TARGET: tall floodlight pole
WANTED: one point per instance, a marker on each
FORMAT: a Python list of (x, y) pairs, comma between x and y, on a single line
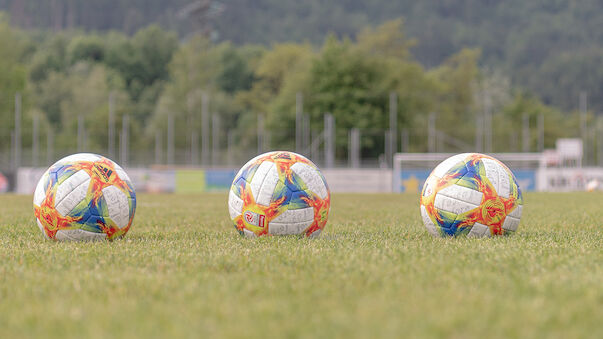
[(393, 126), (526, 134), (260, 133), (306, 132), (229, 145), (49, 145), (170, 139), (194, 146), (17, 134), (314, 151), (405, 140), (583, 124), (387, 146), (299, 121), (600, 143), (479, 132), (124, 141), (540, 132), (34, 141), (205, 128), (488, 122), (80, 133), (158, 154), (215, 138), (329, 133), (431, 133), (354, 148), (111, 125)]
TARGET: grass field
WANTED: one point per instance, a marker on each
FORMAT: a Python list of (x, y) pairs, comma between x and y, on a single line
[(183, 271)]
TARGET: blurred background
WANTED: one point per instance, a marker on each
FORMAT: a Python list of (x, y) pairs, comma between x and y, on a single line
[(187, 91)]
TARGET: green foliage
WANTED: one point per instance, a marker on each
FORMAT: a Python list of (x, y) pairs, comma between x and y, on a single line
[(534, 41), (143, 59), (555, 124), (235, 74), (83, 89), (12, 79), (70, 74), (51, 55), (86, 48)]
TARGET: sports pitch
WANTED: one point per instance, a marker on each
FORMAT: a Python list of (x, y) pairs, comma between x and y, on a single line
[(183, 271)]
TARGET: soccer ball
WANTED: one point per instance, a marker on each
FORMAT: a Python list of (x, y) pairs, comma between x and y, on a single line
[(84, 197), (279, 193), (471, 194)]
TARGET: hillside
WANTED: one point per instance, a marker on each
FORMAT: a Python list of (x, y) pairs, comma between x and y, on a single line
[(551, 48)]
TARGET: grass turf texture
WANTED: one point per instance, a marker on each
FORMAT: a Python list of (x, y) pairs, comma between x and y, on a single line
[(183, 271)]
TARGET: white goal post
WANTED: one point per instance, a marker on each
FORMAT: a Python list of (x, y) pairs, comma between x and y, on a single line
[(410, 170)]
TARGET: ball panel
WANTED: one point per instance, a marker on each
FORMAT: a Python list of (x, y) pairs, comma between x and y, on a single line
[(447, 221), (92, 222), (311, 179), (248, 170), (299, 199), (498, 176), (462, 193), (479, 231), (117, 206), (60, 173), (453, 205), (315, 234), (504, 183), (510, 223), (238, 186), (41, 227), (516, 212), (431, 227), (281, 194), (69, 185), (248, 234), (298, 215), (447, 164), (73, 198), (288, 228), (295, 183), (258, 178), (267, 187), (79, 157), (79, 235), (235, 205), (121, 173), (41, 187)]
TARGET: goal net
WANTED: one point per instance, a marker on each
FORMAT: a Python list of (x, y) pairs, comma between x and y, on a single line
[(410, 170)]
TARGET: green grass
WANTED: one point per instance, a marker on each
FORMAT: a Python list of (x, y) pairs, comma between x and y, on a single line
[(183, 271)]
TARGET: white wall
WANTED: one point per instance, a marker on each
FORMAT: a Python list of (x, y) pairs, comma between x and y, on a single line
[(359, 180)]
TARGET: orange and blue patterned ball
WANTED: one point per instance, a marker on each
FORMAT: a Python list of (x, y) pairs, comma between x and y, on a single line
[(471, 194), (279, 193), (84, 197)]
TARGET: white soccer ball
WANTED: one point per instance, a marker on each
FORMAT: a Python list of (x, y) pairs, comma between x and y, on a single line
[(471, 194), (84, 197), (592, 185), (279, 193)]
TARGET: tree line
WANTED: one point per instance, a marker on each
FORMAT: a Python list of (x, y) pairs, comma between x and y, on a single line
[(550, 48), (151, 75)]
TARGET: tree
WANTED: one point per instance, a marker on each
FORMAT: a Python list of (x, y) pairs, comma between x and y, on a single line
[(143, 59), (12, 79)]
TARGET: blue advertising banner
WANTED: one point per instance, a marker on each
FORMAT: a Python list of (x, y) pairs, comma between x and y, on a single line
[(219, 179)]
